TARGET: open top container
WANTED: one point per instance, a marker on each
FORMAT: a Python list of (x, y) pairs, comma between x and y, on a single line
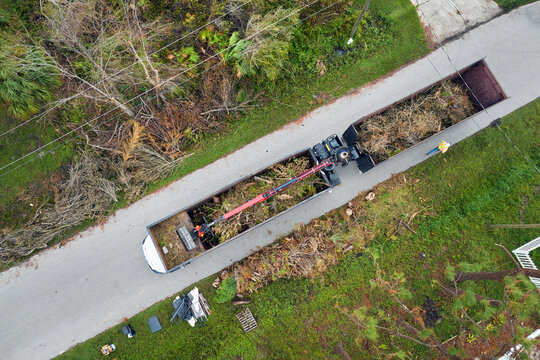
[(482, 90), (165, 252)]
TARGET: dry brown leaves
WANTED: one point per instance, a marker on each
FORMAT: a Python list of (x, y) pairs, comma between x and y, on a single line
[(308, 252), (170, 129), (414, 120)]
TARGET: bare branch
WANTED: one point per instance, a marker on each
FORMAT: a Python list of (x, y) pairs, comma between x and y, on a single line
[(510, 255)]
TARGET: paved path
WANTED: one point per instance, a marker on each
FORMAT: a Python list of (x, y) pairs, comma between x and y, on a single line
[(67, 295), (445, 19)]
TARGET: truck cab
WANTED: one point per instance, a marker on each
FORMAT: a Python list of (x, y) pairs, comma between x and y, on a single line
[(153, 256)]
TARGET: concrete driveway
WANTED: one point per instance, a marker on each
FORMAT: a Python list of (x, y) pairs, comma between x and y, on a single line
[(445, 19), (64, 296)]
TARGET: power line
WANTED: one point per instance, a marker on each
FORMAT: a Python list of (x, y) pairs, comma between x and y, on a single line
[(155, 87), (40, 115), (471, 91), (155, 96)]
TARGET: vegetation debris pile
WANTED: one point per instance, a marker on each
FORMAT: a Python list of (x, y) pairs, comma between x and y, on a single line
[(248, 189), (414, 120)]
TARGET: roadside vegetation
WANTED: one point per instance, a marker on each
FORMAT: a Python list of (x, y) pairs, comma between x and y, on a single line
[(508, 5), (188, 116), (387, 263)]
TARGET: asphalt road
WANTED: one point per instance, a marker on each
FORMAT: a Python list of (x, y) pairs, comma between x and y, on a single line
[(66, 295)]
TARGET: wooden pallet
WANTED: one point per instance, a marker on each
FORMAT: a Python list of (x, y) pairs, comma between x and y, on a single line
[(204, 304), (247, 320)]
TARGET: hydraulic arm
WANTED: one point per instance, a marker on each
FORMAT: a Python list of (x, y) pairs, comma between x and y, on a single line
[(327, 154), (202, 230)]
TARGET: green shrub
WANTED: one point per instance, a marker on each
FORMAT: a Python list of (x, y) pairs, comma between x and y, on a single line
[(4, 18), (226, 291), (26, 78), (267, 43)]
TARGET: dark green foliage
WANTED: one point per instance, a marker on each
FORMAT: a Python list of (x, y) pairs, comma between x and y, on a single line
[(535, 254), (4, 18), (83, 69), (26, 10), (226, 291), (328, 43)]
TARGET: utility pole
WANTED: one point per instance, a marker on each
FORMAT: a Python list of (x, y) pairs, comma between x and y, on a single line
[(364, 9)]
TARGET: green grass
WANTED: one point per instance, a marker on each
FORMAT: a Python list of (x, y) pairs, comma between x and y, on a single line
[(535, 256), (459, 194), (508, 5), (26, 182)]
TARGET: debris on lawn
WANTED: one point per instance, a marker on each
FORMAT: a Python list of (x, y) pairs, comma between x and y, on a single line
[(247, 320), (250, 188), (406, 124), (311, 249), (307, 252)]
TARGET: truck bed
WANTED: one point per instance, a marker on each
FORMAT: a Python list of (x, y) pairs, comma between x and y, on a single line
[(165, 234)]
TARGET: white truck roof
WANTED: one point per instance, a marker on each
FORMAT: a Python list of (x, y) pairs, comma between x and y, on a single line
[(151, 254)]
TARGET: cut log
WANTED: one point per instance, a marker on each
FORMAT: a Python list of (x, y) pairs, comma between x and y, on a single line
[(241, 302)]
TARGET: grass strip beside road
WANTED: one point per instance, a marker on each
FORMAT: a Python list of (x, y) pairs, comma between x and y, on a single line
[(508, 5), (478, 182), (19, 184)]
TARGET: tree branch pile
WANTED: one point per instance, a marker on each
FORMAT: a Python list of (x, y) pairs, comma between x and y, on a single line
[(86, 194), (308, 252), (250, 188), (144, 166), (414, 120)]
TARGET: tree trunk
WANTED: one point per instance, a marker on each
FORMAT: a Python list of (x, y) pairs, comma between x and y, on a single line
[(122, 107), (496, 275), (340, 350), (241, 302)]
